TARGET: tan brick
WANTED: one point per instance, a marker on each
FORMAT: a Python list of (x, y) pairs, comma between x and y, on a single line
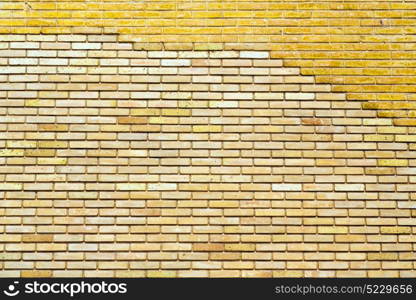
[(11, 152), (123, 156)]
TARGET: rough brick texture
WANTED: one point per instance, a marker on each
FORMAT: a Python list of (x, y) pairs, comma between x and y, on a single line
[(123, 162)]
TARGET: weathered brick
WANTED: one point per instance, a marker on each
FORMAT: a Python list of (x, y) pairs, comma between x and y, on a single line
[(119, 158)]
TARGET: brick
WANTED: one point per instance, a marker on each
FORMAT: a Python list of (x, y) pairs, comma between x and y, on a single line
[(299, 96), (36, 273), (146, 112), (10, 186), (11, 152), (175, 62), (53, 144), (37, 238), (254, 54), (24, 45), (130, 186), (160, 274), (392, 162), (286, 187), (86, 46), (162, 186), (207, 128), (132, 120), (52, 161), (176, 112)]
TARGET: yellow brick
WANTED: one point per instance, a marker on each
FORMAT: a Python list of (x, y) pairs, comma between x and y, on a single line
[(287, 273), (208, 46), (382, 256), (36, 273), (239, 247), (395, 230), (53, 127), (404, 122), (160, 274), (391, 130), (145, 112), (11, 152), (52, 161), (392, 162), (132, 120), (332, 230), (38, 102), (162, 120), (130, 273), (378, 138), (40, 152), (206, 128), (53, 144), (176, 112)]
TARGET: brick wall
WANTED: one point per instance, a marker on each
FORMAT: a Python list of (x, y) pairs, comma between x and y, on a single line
[(207, 139)]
